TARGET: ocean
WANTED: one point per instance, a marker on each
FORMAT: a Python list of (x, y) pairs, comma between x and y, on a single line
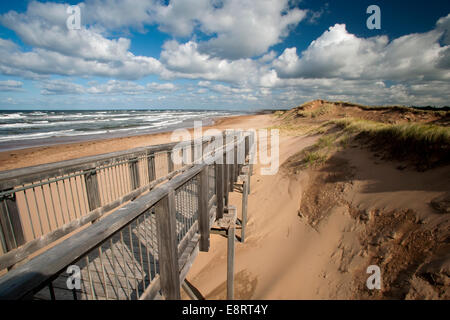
[(22, 129)]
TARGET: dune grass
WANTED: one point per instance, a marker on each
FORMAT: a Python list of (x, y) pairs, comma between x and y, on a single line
[(312, 158), (423, 143), (322, 110), (317, 154), (406, 133), (397, 108)]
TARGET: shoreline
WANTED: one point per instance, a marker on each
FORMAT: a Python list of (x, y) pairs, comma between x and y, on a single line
[(31, 156), (15, 145)]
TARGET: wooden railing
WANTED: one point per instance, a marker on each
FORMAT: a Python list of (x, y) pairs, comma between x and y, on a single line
[(41, 204), (142, 249)]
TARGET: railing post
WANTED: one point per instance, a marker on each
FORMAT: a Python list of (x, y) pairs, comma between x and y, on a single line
[(10, 223), (204, 146), (226, 179), (251, 152), (231, 166), (247, 151), (230, 261), (244, 206), (170, 165), (247, 146), (203, 214), (185, 155), (134, 173), (167, 245), (219, 190), (92, 189), (151, 167), (236, 160)]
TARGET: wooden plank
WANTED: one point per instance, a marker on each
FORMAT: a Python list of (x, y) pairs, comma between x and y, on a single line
[(241, 154), (152, 290), (188, 236), (232, 164), (251, 156), (212, 217), (151, 167), (236, 162), (230, 261), (203, 212), (92, 189), (219, 190), (10, 223), (134, 173), (189, 289), (6, 230), (249, 176), (189, 260), (249, 140), (212, 202), (186, 254), (170, 164), (226, 178), (167, 244), (247, 146), (244, 207)]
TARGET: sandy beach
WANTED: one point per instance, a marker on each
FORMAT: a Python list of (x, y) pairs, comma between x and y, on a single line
[(46, 154)]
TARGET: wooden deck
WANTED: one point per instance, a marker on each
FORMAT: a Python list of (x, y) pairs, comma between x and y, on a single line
[(122, 269), (143, 249)]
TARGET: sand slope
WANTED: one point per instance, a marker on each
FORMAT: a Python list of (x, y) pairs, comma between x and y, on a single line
[(313, 232)]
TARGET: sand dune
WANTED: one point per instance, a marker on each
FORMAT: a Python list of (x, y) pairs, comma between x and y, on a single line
[(314, 231)]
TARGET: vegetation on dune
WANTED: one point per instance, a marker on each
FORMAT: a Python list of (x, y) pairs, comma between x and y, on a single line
[(425, 144), (422, 139), (417, 133), (292, 129), (317, 112), (279, 113), (394, 108), (316, 108), (312, 158), (316, 154)]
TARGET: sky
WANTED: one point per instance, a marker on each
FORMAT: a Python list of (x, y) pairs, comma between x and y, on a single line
[(221, 54)]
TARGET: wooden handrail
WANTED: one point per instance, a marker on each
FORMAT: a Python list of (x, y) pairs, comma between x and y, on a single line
[(15, 177), (26, 279)]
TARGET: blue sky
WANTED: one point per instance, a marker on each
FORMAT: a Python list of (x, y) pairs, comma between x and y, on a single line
[(222, 54)]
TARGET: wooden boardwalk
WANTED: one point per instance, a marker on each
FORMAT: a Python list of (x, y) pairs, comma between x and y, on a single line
[(126, 264), (121, 268), (145, 246)]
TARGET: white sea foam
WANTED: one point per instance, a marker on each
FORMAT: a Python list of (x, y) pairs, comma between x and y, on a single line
[(24, 126), (34, 135)]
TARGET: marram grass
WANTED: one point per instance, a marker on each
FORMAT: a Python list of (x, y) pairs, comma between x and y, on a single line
[(424, 144)]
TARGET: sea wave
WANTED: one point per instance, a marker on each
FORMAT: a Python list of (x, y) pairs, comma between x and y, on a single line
[(27, 125)]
